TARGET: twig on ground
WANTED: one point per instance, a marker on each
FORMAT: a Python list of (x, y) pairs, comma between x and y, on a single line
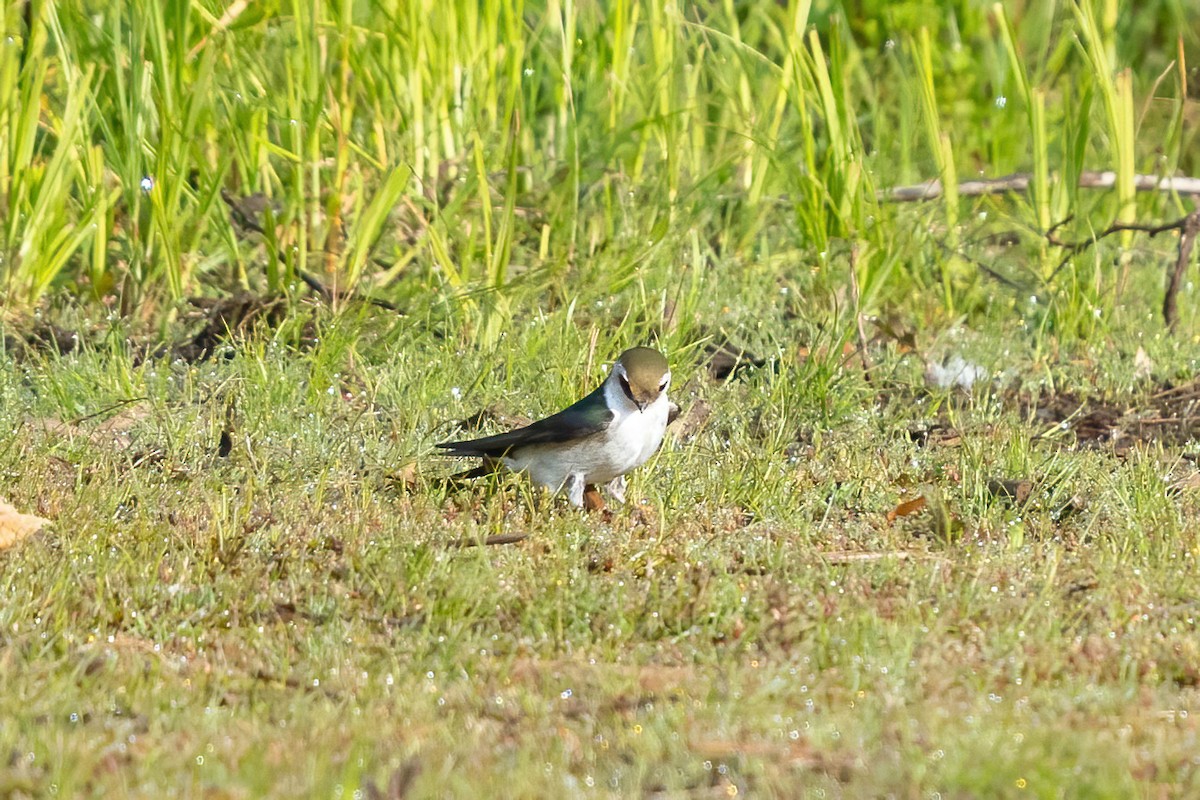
[(855, 557), (502, 538), (106, 409)]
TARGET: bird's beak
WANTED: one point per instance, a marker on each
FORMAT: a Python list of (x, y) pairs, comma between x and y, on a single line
[(642, 405)]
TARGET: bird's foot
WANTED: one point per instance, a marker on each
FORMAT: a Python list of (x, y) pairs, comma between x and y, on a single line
[(616, 488)]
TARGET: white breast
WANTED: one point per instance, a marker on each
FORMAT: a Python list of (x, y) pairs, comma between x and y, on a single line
[(632, 437)]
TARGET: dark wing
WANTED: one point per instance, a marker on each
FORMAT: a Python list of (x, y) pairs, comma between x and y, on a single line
[(585, 418)]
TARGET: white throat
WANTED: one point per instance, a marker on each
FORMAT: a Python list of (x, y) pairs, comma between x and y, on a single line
[(619, 403)]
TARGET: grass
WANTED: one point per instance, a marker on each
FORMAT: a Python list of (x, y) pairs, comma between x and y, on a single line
[(289, 618), (249, 588)]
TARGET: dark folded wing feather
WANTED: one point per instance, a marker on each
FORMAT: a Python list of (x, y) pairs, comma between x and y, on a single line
[(585, 418)]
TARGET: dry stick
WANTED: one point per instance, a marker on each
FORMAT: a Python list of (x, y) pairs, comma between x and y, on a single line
[(1116, 227), (331, 295), (849, 557), (502, 538), (1160, 420), (858, 316), (119, 404), (1188, 228), (1187, 238), (1019, 182), (228, 18), (328, 294), (991, 273), (1186, 389)]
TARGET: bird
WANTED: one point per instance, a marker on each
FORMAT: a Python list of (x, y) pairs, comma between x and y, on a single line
[(595, 441)]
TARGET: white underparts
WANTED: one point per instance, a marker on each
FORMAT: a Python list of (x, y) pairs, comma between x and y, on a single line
[(602, 458)]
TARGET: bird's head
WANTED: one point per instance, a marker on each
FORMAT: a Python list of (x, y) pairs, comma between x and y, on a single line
[(642, 375)]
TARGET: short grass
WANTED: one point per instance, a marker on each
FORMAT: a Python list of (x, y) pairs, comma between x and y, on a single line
[(254, 584), (290, 619)]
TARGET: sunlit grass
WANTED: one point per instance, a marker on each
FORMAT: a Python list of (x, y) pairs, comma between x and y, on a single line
[(584, 131), (250, 589), (204, 620)]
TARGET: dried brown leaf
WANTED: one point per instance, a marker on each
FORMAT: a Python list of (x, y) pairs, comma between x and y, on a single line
[(407, 476), (906, 508), (15, 526)]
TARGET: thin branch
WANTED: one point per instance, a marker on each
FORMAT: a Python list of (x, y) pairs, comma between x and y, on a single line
[(1116, 227), (858, 315), (1019, 182), (1075, 248), (106, 409), (1187, 239), (991, 273), (245, 215), (1188, 227)]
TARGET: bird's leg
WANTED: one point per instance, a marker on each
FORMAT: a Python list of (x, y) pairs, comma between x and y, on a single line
[(616, 487), (573, 486)]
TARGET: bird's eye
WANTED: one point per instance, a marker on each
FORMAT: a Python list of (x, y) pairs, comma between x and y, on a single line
[(665, 382), (626, 388)]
